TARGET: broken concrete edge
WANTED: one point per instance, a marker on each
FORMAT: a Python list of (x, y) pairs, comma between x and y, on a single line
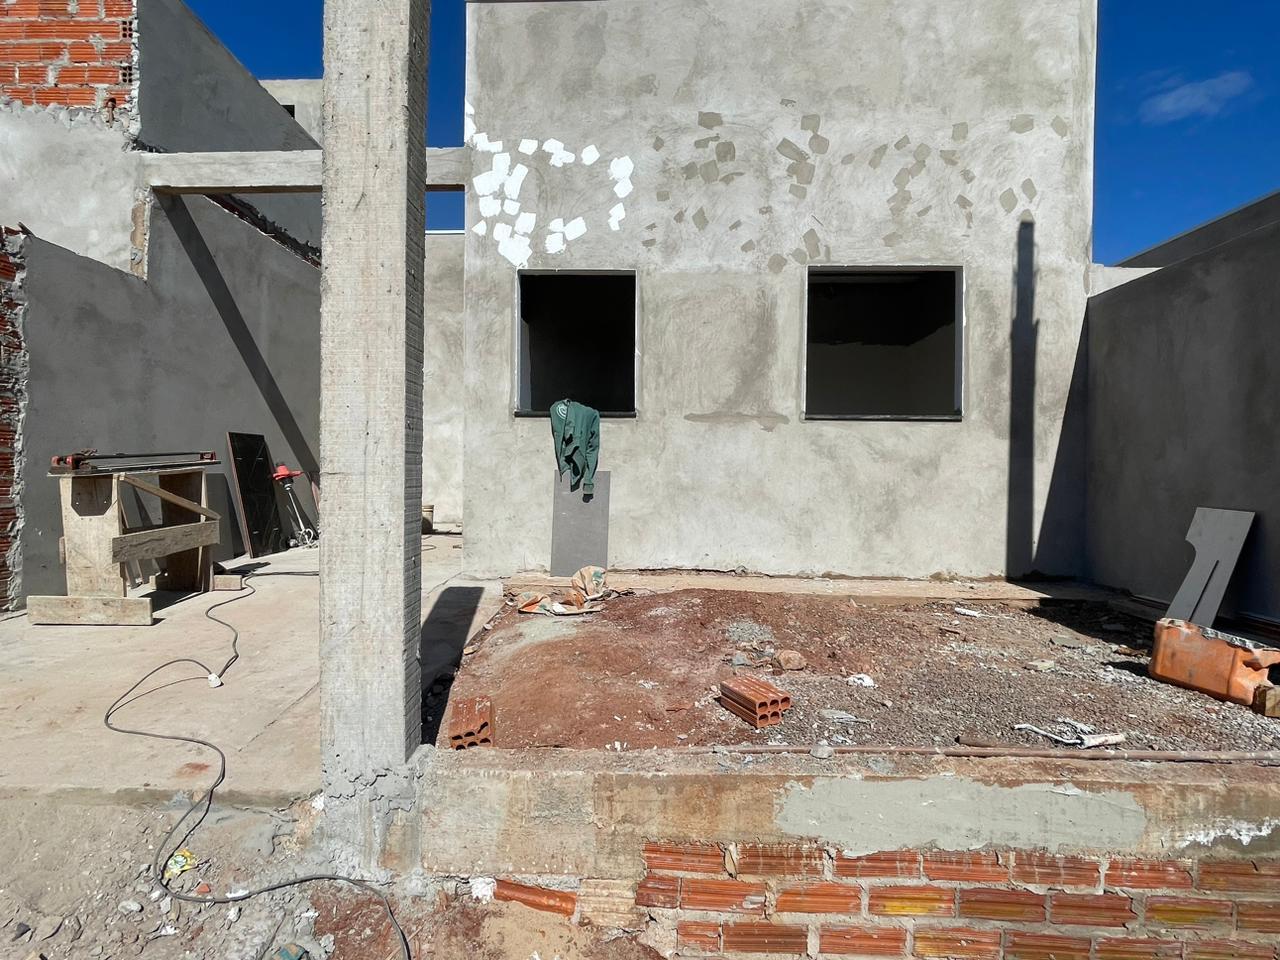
[(14, 373), (1213, 663)]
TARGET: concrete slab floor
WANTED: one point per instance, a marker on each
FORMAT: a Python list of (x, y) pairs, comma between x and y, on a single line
[(57, 682)]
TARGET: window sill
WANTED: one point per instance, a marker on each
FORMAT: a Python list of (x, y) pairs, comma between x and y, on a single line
[(546, 414), (929, 418)]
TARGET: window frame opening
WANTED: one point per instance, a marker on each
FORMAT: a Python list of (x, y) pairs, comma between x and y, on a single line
[(958, 410)]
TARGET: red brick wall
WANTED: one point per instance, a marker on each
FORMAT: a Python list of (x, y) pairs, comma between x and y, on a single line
[(71, 53), (13, 392), (1008, 905)]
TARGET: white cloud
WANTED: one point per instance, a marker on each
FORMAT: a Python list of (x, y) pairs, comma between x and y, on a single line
[(1206, 98)]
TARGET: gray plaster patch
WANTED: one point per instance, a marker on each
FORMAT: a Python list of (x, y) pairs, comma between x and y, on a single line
[(892, 239), (735, 225), (1029, 188), (917, 168), (791, 150), (902, 177), (819, 144), (899, 202), (847, 159), (679, 217), (798, 191), (922, 152), (658, 143), (709, 120), (923, 210), (799, 256), (903, 143), (812, 243), (1022, 123), (651, 226), (811, 122), (1008, 200), (767, 421), (1060, 126), (960, 132), (690, 169), (663, 195), (710, 171), (726, 151), (766, 209), (949, 157), (730, 177), (649, 243), (748, 246), (700, 219), (706, 142), (777, 263), (802, 170), (968, 175), (877, 156), (866, 816)]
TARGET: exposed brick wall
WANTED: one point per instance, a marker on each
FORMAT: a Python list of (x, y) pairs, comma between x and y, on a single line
[(13, 401), (739, 900), (70, 53)]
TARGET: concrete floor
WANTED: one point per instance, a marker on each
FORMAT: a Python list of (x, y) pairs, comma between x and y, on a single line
[(57, 682)]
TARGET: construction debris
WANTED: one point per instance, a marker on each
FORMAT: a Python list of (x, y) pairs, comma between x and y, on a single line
[(1080, 735), (471, 724), (588, 587), (756, 701), (1219, 664)]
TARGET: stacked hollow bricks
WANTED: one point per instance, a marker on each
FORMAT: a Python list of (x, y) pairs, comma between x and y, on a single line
[(71, 53), (471, 724), (1010, 905), (13, 373), (756, 701)]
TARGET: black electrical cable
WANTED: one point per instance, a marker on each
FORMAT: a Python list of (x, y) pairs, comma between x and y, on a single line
[(168, 846)]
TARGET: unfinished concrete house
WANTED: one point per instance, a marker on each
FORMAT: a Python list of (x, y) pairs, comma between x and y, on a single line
[(824, 269)]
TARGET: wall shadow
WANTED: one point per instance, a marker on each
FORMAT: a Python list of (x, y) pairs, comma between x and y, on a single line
[(444, 635), (1023, 333)]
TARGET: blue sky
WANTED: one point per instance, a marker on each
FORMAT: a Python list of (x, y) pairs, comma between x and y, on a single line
[(1188, 103)]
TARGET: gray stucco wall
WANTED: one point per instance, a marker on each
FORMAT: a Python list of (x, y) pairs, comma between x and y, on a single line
[(307, 99), (946, 134), (70, 178), (1183, 410), (223, 335), (1205, 237), (442, 418), (193, 94)]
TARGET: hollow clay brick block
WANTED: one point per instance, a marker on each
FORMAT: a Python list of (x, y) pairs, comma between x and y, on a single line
[(966, 867), (1183, 655), (562, 902), (896, 864), (1260, 917), (658, 891), (1019, 905), (1187, 912), (1148, 875), (913, 901), (1040, 946), (1144, 948), (765, 938), (957, 944), (1229, 950), (863, 941), (471, 723), (1047, 870), (782, 859), (696, 935), (754, 700), (1240, 876), (821, 898), (1108, 910), (722, 896), (684, 857)]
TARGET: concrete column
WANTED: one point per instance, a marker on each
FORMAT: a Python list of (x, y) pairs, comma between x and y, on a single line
[(375, 86)]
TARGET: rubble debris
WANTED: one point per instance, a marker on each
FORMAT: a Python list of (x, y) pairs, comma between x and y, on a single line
[(563, 902), (1080, 735), (968, 612), (791, 660), (860, 680), (291, 951), (822, 751), (471, 723), (1218, 664), (841, 716), (482, 888), (181, 861), (1041, 666), (756, 701)]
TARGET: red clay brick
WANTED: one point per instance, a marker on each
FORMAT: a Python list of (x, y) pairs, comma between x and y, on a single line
[(119, 52), (966, 867), (32, 75), (1049, 870), (120, 9), (1240, 876), (69, 30), (957, 944), (1043, 946), (821, 898), (1149, 875), (539, 898), (913, 901), (1263, 917), (1106, 910), (697, 935), (903, 864), (1187, 912), (684, 857), (1002, 905), (784, 859), (765, 938), (1116, 948), (11, 52), (1229, 950), (67, 97), (656, 890), (723, 896), (863, 941)]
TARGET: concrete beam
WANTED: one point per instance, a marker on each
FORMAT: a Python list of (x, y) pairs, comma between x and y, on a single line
[(375, 87), (280, 171)]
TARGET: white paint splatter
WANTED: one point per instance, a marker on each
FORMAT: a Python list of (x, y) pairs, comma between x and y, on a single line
[(511, 207), (511, 186), (482, 888), (491, 181), (590, 155), (555, 242), (1240, 830), (490, 206), (623, 188), (501, 231), (616, 216), (467, 108), (575, 228), (481, 228), (559, 155), (527, 146), (468, 129), (557, 225), (485, 145), (525, 222), (621, 168), (516, 249)]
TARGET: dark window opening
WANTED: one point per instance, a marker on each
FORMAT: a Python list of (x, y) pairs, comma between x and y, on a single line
[(577, 341), (291, 109), (883, 344)]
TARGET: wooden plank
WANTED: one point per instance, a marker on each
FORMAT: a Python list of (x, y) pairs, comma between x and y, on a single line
[(188, 569), (90, 519), (1266, 701), (90, 611), (164, 542), (173, 498)]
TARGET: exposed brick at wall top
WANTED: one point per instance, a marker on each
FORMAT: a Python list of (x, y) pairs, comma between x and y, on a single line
[(13, 392), (998, 905), (71, 53)]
